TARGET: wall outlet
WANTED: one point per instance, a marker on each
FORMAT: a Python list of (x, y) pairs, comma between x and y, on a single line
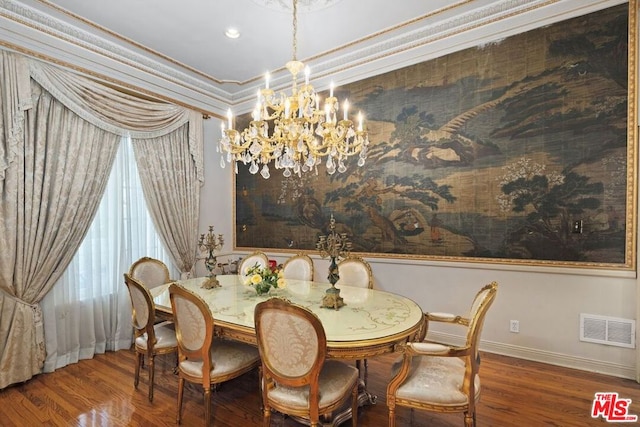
[(514, 326)]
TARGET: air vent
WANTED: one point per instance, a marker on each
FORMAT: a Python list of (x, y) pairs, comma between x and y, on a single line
[(608, 330)]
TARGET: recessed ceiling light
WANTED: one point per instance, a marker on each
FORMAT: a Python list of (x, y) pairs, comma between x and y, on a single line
[(232, 33)]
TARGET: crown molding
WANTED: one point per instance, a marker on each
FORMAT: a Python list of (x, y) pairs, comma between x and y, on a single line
[(91, 50)]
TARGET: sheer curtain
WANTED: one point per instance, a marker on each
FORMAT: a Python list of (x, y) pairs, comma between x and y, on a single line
[(88, 310)]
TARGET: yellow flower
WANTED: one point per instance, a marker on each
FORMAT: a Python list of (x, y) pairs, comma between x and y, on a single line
[(281, 283), (256, 278)]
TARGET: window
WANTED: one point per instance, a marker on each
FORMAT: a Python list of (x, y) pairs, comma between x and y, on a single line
[(88, 311), (121, 232)]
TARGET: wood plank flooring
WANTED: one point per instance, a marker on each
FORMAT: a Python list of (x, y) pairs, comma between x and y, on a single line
[(99, 392)]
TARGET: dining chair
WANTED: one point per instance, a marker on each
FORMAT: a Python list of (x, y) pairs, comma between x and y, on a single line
[(201, 358), (295, 376), (151, 338), (298, 267), (150, 272), (355, 271), (438, 377), (252, 259)]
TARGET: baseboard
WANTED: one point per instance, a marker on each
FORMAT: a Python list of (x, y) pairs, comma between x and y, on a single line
[(558, 359)]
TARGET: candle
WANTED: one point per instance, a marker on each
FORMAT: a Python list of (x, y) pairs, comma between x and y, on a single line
[(360, 121), (307, 71), (229, 117), (300, 104), (258, 107), (222, 128), (327, 111), (287, 106), (345, 107), (331, 90), (317, 101), (266, 78)]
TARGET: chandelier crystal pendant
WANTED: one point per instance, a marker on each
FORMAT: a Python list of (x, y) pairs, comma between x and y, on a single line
[(293, 131)]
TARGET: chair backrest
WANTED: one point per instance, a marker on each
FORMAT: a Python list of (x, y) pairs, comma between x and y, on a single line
[(252, 259), (143, 316), (150, 272), (481, 303), (298, 267), (194, 326), (292, 344), (354, 271)]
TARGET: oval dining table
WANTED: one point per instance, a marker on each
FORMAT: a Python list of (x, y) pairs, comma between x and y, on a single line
[(372, 322)]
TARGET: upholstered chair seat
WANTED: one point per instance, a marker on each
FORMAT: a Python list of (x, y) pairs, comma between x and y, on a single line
[(336, 380), (441, 378), (165, 334), (230, 356), (298, 267)]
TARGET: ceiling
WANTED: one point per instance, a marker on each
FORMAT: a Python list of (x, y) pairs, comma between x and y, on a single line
[(178, 49)]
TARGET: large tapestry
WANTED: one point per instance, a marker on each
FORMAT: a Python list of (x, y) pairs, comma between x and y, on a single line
[(515, 151)]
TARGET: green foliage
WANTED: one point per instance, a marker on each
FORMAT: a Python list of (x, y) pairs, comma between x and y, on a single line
[(573, 196)]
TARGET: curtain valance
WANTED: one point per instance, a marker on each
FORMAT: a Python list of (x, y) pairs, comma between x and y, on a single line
[(102, 106)]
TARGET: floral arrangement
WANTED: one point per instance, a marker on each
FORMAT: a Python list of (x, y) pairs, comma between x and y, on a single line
[(264, 278)]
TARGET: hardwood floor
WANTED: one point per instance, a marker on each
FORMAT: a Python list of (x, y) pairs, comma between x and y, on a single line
[(99, 392)]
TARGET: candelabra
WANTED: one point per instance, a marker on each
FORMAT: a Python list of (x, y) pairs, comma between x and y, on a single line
[(335, 246), (209, 244)]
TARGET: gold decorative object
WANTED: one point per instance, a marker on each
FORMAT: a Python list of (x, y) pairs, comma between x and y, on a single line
[(334, 245), (293, 131), (209, 244)]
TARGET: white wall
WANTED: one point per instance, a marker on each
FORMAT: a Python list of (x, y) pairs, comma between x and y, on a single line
[(547, 302)]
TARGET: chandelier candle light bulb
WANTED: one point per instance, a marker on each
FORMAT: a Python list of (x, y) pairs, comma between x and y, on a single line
[(293, 130)]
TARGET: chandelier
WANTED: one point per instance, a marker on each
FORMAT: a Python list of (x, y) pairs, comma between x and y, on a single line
[(293, 131)]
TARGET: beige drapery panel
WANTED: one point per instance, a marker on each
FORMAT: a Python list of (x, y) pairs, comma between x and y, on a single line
[(42, 188), (50, 193), (169, 183)]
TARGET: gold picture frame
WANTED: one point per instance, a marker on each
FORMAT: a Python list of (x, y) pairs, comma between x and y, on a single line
[(518, 152)]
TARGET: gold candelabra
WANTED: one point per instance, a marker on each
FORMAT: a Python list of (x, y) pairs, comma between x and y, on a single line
[(335, 246), (208, 244)]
